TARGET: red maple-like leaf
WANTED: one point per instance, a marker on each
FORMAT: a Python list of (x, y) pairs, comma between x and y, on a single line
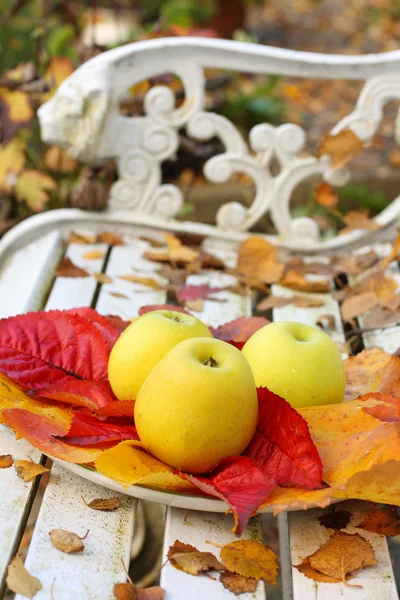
[(238, 331), (240, 482), (282, 444), (87, 430), (195, 292), (94, 395), (38, 349), (145, 309), (104, 324)]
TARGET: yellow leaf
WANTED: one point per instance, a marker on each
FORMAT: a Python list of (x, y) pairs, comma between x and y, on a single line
[(32, 188), (60, 67), (12, 160), (28, 470), (17, 103), (20, 581), (57, 160)]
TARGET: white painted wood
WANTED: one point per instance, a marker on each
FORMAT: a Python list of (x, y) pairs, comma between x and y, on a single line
[(16, 497), (128, 260), (196, 528), (307, 535), (26, 275), (93, 573), (64, 295)]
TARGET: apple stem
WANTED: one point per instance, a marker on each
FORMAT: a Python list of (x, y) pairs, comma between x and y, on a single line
[(210, 362)]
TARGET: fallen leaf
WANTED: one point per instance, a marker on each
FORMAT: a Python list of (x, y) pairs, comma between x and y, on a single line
[(173, 275), (81, 238), (190, 560), (127, 591), (176, 252), (32, 187), (364, 372), (307, 301), (66, 541), (20, 581), (15, 110), (379, 316), (296, 281), (335, 519), (6, 461), (250, 559), (327, 322), (325, 195), (145, 309), (106, 504), (109, 238), (124, 591), (354, 264), (384, 521), (66, 268), (118, 295), (237, 584), (340, 557), (258, 259), (12, 160), (94, 254), (341, 148), (154, 243), (196, 305), (239, 330), (358, 304), (143, 280), (28, 470), (190, 293), (55, 159), (103, 278), (357, 219), (273, 302)]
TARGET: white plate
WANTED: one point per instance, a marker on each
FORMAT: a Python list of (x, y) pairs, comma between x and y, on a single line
[(187, 501)]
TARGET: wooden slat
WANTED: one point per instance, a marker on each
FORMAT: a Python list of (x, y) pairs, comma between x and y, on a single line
[(199, 527), (27, 275), (92, 574), (15, 500)]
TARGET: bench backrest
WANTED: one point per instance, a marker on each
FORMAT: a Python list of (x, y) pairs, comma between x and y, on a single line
[(84, 118)]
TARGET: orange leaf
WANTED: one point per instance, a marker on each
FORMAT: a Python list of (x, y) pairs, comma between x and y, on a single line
[(250, 559), (326, 196), (297, 281), (341, 148), (124, 591), (55, 159), (66, 268), (28, 470), (6, 461), (237, 584), (106, 504), (107, 237), (190, 560), (365, 371), (384, 521), (143, 280), (258, 259), (93, 255), (357, 219)]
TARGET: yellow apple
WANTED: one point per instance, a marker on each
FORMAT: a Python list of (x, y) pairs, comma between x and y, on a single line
[(144, 343), (298, 362), (198, 405)]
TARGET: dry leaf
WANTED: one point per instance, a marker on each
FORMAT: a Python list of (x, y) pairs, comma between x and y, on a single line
[(307, 301), (28, 470), (336, 519), (118, 295), (358, 304), (93, 255), (66, 268), (327, 322), (66, 541), (104, 503), (250, 559), (197, 305), (354, 264), (55, 159), (190, 560), (174, 276), (384, 521), (366, 370), (358, 219), (109, 238), (273, 302), (380, 316), (297, 281), (338, 559), (151, 593), (237, 584), (20, 581), (81, 238), (32, 187), (6, 461), (258, 259), (143, 280), (124, 591), (341, 148), (102, 278), (326, 196), (154, 243)]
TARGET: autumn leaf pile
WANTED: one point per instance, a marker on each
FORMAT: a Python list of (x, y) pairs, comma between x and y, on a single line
[(54, 392)]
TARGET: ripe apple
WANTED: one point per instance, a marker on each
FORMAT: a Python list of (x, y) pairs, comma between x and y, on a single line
[(198, 405), (298, 362), (144, 343)]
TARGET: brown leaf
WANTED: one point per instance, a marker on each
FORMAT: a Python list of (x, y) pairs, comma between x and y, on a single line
[(190, 560), (354, 264), (28, 470), (325, 195), (307, 301), (358, 219), (237, 584), (197, 305), (357, 305), (384, 521), (341, 148), (143, 280), (20, 581), (81, 238), (93, 255), (104, 503), (154, 243), (102, 278), (273, 302), (57, 160), (250, 559), (66, 268), (209, 261), (124, 591), (6, 460), (380, 316), (151, 593), (327, 321), (66, 541), (336, 519), (174, 276), (340, 557), (118, 295), (296, 281), (127, 591), (109, 238), (258, 259)]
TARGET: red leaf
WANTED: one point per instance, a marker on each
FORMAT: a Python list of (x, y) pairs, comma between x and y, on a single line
[(86, 430), (91, 394), (239, 330), (40, 430), (37, 349), (239, 481), (109, 331), (195, 292), (282, 443), (146, 309), (119, 408), (117, 322)]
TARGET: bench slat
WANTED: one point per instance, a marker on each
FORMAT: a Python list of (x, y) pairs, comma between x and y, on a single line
[(16, 502), (92, 574)]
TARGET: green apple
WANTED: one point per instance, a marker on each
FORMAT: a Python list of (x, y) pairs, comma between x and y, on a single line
[(144, 343), (298, 362), (198, 405)]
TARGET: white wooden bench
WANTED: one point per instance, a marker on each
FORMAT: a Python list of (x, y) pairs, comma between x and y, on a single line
[(84, 118)]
